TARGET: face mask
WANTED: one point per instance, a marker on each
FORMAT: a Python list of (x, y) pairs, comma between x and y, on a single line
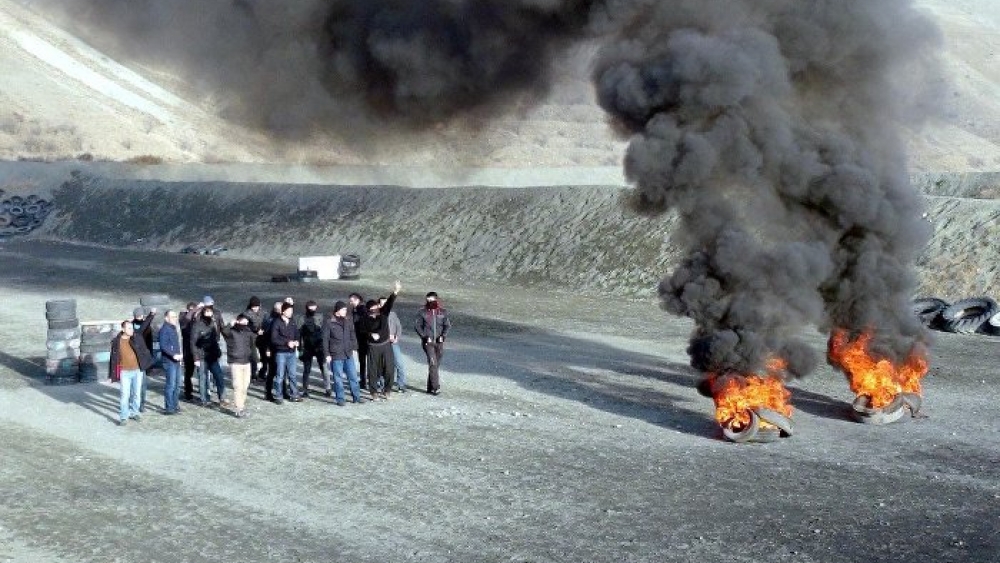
[(432, 304)]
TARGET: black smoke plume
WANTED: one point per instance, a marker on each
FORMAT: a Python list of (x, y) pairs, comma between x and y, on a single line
[(771, 127)]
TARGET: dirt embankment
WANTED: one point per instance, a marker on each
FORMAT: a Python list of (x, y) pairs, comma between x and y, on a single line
[(578, 237)]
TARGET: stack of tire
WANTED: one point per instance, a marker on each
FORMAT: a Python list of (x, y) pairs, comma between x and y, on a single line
[(21, 215), (975, 315), (161, 303), (95, 348), (62, 362)]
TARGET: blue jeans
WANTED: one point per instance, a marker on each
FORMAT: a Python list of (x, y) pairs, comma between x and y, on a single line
[(203, 370), (172, 388), (397, 355), (338, 368), (128, 398), (286, 370)]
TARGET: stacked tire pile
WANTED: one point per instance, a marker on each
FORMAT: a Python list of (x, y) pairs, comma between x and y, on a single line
[(161, 303), (95, 348), (62, 362), (975, 315), (21, 215)]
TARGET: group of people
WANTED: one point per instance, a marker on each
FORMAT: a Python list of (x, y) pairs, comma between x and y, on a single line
[(357, 342)]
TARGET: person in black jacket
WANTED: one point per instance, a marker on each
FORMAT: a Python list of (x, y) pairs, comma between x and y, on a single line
[(269, 359), (340, 342), (432, 327), (129, 358), (375, 329), (311, 335), (255, 322), (240, 347), (206, 352), (285, 341), (356, 310), (186, 319), (146, 332)]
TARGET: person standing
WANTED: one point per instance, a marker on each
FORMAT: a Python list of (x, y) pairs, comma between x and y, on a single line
[(395, 333), (138, 318), (432, 327), (311, 335), (186, 320), (285, 340), (255, 322), (269, 356), (340, 342), (240, 342), (129, 358), (206, 351), (375, 328), (356, 308), (172, 353)]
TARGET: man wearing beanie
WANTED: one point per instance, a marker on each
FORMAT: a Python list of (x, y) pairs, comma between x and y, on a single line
[(432, 327), (255, 322), (285, 341), (239, 349), (375, 328), (339, 344)]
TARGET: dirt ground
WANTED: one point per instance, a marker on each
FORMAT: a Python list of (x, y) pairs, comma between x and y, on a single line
[(568, 430)]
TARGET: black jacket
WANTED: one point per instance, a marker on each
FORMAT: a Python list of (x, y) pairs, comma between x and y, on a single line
[(203, 343), (339, 338), (239, 343), (282, 333), (142, 352), (311, 333), (368, 325)]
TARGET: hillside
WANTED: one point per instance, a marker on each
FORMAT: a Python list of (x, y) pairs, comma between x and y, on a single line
[(61, 98)]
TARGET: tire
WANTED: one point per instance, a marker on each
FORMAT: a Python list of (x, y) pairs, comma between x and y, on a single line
[(31, 199), (928, 310), (156, 300), (63, 354), (63, 344), (61, 315), (64, 324), (63, 334), (969, 315), (19, 219), (16, 200), (32, 209), (5, 206), (54, 305), (280, 279), (4, 220)]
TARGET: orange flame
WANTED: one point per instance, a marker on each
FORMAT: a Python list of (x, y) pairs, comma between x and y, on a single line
[(878, 378), (740, 394)]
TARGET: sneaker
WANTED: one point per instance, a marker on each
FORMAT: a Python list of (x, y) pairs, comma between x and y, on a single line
[(278, 401), (328, 393), (305, 394), (435, 392), (296, 399), (340, 403), (401, 390), (122, 422), (136, 418)]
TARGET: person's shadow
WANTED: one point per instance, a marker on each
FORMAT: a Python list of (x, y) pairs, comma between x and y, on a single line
[(94, 396)]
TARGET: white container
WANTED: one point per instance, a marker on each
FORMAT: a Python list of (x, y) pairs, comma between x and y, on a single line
[(326, 267)]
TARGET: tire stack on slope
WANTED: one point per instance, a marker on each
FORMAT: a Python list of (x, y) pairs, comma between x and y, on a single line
[(95, 348), (62, 362), (161, 303), (21, 215)]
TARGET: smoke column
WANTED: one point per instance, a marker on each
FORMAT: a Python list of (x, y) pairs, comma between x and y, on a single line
[(771, 127)]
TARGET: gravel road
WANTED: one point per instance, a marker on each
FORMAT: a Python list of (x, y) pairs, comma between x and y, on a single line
[(568, 430)]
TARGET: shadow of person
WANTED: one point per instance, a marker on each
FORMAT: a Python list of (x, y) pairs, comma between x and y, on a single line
[(96, 397)]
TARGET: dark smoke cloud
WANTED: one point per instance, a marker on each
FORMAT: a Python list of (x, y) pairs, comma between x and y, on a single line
[(772, 127), (302, 66)]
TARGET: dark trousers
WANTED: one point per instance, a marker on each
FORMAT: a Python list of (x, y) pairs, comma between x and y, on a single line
[(307, 362), (434, 351), (272, 368), (261, 357), (363, 362), (188, 377), (381, 367)]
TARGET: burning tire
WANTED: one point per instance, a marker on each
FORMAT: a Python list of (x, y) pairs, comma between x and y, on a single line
[(928, 310), (752, 432), (969, 315), (893, 412)]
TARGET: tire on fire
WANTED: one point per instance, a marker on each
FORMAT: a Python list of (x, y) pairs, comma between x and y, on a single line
[(969, 315)]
